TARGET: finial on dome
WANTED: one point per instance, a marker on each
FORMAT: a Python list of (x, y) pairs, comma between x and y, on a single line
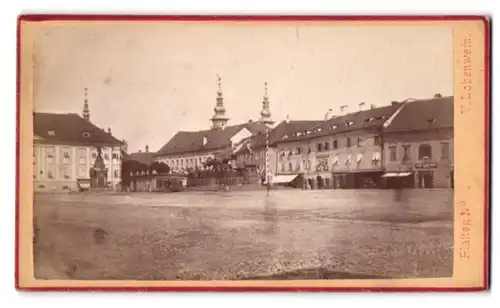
[(219, 83), (86, 110)]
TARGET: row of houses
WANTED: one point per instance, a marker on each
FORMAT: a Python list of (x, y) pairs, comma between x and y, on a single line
[(402, 144)]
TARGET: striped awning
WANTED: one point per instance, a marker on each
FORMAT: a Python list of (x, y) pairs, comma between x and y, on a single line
[(396, 174)]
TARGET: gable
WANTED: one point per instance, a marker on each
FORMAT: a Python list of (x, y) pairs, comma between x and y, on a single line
[(239, 136)]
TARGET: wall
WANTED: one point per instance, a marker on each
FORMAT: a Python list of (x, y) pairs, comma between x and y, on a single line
[(441, 166), (258, 158), (57, 167), (181, 162), (332, 160)]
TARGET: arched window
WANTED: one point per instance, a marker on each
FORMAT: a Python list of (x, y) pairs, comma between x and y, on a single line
[(424, 151)]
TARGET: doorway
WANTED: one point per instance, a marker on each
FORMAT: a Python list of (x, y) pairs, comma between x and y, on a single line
[(425, 179)]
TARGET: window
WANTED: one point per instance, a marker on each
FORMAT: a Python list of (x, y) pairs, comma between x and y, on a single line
[(115, 155), (290, 167), (424, 152), (348, 142), (392, 153), (106, 156), (82, 159), (81, 172), (445, 150), (299, 150), (335, 144), (327, 146), (375, 158), (66, 174), (283, 167), (94, 154), (117, 174), (406, 152), (50, 175), (319, 147), (50, 152), (359, 142), (376, 140)]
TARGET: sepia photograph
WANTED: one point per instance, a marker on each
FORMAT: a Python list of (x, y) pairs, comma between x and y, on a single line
[(278, 153)]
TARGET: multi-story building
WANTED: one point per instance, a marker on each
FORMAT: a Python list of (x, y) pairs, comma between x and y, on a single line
[(190, 149), (419, 145), (342, 152), (66, 149)]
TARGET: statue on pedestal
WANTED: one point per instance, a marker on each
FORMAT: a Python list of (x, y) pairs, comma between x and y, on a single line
[(99, 172)]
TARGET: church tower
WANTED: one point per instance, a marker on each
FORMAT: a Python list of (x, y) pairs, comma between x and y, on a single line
[(265, 114), (219, 120), (86, 111)]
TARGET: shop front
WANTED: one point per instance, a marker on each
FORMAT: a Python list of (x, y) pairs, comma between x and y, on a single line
[(357, 180)]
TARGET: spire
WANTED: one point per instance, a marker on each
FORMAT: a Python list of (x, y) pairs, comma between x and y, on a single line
[(219, 119), (86, 111), (265, 114)]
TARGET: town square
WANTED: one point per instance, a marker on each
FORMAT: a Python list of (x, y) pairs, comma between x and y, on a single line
[(228, 161)]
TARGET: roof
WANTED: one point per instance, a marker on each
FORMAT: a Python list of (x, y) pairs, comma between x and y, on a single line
[(70, 128), (424, 114), (142, 157), (276, 134), (367, 119), (185, 141)]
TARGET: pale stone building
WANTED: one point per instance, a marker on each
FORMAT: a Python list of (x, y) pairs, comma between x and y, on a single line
[(66, 147)]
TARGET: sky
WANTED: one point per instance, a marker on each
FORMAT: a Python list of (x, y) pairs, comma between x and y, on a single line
[(146, 80)]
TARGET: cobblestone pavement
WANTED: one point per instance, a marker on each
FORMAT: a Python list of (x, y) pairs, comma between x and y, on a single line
[(290, 234)]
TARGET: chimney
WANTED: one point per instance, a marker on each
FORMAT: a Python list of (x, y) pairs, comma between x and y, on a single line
[(109, 130), (394, 103), (250, 121), (438, 95), (372, 106), (343, 108), (362, 106), (287, 119), (147, 148)]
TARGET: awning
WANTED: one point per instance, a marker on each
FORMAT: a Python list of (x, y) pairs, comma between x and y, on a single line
[(283, 179), (396, 174)]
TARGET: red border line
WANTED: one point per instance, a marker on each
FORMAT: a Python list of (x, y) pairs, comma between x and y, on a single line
[(258, 18), (18, 134), (487, 170), (256, 289)]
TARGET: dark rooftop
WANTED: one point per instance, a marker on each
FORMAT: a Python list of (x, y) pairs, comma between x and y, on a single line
[(70, 128)]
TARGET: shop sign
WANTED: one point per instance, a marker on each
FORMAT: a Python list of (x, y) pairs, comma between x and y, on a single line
[(425, 166)]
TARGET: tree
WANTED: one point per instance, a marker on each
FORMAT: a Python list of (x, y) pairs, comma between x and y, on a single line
[(124, 147), (159, 167)]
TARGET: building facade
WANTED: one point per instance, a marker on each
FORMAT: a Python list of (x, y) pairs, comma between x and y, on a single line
[(342, 152), (419, 145), (253, 153), (190, 150), (66, 147)]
